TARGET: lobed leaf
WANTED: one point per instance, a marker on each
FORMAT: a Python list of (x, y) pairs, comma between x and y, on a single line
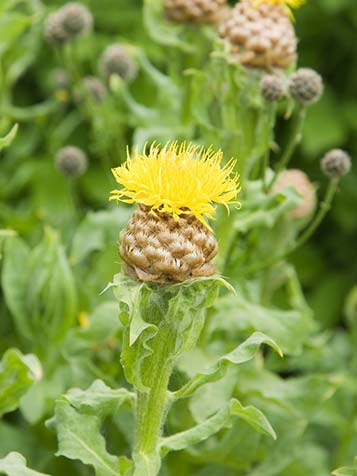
[(79, 438), (14, 464), (212, 425), (243, 353)]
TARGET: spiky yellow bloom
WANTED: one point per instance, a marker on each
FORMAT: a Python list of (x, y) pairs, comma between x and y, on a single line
[(286, 3), (178, 180)]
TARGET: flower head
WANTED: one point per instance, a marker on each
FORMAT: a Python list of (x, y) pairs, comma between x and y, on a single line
[(336, 163), (71, 161), (306, 86), (177, 180)]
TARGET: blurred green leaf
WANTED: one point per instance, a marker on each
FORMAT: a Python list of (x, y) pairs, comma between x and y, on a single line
[(14, 464), (17, 373), (6, 141)]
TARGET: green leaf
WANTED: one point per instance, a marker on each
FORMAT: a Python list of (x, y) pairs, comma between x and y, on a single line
[(17, 373), (161, 32), (78, 419), (241, 354), (14, 464), (6, 141), (39, 288), (221, 419), (290, 328), (99, 399), (346, 471), (79, 438), (12, 25), (97, 230)]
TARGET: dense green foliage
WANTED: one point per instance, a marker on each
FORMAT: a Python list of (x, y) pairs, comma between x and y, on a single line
[(70, 367)]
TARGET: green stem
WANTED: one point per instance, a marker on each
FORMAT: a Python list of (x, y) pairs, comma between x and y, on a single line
[(294, 140), (152, 405), (324, 208)]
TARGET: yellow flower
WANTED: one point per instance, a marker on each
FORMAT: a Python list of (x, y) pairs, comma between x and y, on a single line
[(287, 3), (177, 179)]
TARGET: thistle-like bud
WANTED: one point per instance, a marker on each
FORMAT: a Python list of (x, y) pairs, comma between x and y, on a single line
[(71, 161), (301, 183), (272, 88), (306, 86), (95, 88), (60, 79), (261, 34), (77, 19), (336, 163), (117, 60), (156, 247), (55, 33), (168, 240), (195, 11)]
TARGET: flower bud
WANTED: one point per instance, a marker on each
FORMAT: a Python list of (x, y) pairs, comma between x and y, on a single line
[(76, 19), (260, 34), (71, 161), (95, 88), (336, 163), (116, 60), (55, 33), (306, 86), (60, 79), (298, 180), (194, 11), (272, 88)]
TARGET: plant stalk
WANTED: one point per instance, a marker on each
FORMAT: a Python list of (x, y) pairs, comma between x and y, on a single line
[(152, 405)]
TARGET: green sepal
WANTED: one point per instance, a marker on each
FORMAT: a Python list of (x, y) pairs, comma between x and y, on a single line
[(144, 308)]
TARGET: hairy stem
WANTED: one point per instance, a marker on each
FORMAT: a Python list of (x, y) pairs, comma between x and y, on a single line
[(152, 405)]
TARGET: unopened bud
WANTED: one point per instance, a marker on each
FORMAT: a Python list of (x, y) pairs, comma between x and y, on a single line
[(54, 30), (272, 88), (95, 88), (77, 19), (195, 11), (71, 161), (306, 86), (117, 60), (298, 180), (336, 163)]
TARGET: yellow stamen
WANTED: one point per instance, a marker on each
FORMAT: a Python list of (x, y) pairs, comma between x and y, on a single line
[(177, 179)]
